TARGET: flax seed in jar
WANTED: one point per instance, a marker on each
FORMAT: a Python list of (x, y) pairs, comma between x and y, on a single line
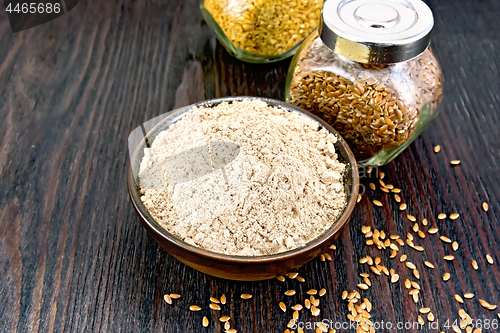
[(261, 31), (370, 73)]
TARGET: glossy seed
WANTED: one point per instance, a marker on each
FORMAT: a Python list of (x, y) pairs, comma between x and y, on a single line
[(290, 292), (454, 216), (489, 259), (449, 258), (428, 264), (430, 317), (300, 279), (402, 206), (425, 222), (441, 216), (327, 256), (469, 295), (295, 315), (485, 206), (407, 284), (322, 292), (175, 296), (372, 186), (227, 326), (455, 162), (297, 307), (458, 298), (420, 320), (246, 296), (394, 278), (214, 300), (359, 198), (282, 306), (396, 190), (194, 308), (231, 330), (312, 292), (397, 198), (377, 203), (446, 276), (487, 305), (454, 246), (363, 286), (424, 310), (167, 299), (223, 299), (293, 275), (205, 322), (433, 231), (214, 306), (281, 278), (224, 318), (344, 294), (445, 239), (416, 227), (403, 258), (411, 218), (474, 265), (333, 247), (416, 274), (437, 149), (410, 265)]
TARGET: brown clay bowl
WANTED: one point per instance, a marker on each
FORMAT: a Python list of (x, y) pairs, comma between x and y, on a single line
[(240, 267)]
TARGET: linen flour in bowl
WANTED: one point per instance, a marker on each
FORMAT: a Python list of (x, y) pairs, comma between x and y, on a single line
[(244, 178)]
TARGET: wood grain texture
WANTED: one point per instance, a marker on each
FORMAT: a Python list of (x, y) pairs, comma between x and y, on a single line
[(73, 256)]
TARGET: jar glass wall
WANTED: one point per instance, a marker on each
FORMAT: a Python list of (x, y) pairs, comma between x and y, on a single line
[(378, 109), (261, 31)]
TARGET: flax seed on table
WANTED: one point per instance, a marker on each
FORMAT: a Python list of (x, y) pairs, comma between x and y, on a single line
[(243, 178)]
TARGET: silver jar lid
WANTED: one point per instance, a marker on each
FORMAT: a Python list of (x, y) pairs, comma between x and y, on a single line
[(376, 31)]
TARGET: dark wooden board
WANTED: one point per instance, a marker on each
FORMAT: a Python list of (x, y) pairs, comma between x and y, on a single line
[(73, 256)]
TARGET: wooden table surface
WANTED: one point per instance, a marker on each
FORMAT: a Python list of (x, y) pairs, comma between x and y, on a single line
[(73, 255)]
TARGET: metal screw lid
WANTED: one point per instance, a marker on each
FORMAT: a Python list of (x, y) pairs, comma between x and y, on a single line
[(376, 31)]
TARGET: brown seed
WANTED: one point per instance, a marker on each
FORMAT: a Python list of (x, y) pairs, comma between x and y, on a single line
[(292, 275), (307, 303), (455, 162), (383, 189), (489, 259), (167, 298), (428, 264), (224, 318), (194, 308), (281, 278), (454, 216), (411, 218), (381, 182), (290, 292), (474, 265), (485, 206), (214, 306), (322, 257), (446, 276), (425, 222), (377, 203), (327, 256), (397, 198), (396, 190), (416, 227), (421, 234), (445, 239), (205, 322), (407, 284), (175, 296), (403, 258), (394, 278), (295, 315), (312, 292), (449, 258), (433, 231), (441, 216), (333, 247), (402, 206), (437, 149), (416, 274), (214, 300), (469, 295), (381, 175), (322, 292), (246, 296), (300, 279), (430, 317), (223, 299), (415, 285), (344, 294), (458, 298), (231, 330), (282, 306), (454, 246), (372, 186), (359, 198)]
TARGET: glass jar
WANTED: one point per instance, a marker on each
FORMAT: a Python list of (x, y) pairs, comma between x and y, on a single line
[(261, 31), (370, 73)]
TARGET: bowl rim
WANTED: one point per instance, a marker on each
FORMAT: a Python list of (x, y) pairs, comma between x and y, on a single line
[(318, 242)]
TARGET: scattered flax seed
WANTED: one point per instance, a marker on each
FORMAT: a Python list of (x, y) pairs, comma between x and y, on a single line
[(397, 198), (449, 258), (383, 189), (421, 234), (441, 216), (297, 307), (363, 286), (402, 206), (246, 296), (322, 257), (327, 256), (446, 276), (205, 322), (396, 190), (295, 315), (388, 187), (167, 298), (418, 248), (214, 300), (282, 306), (454, 216), (487, 305), (400, 242), (485, 206), (344, 294), (415, 285), (281, 278), (456, 329), (290, 292), (416, 227), (469, 295), (312, 292), (359, 198), (364, 275), (223, 319), (411, 218), (315, 311), (428, 264), (377, 203), (455, 162), (474, 265), (403, 258), (214, 306), (293, 275), (425, 222), (421, 320), (223, 299), (322, 292), (300, 279), (381, 182), (194, 308), (416, 274), (372, 186), (410, 265), (454, 246), (415, 297), (231, 330), (445, 239), (437, 149), (432, 231), (394, 278), (381, 175), (175, 296), (407, 284), (307, 303), (489, 259), (458, 298), (369, 170), (333, 247), (430, 317), (424, 310)]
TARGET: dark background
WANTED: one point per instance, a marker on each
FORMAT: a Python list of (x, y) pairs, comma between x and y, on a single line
[(73, 256)]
